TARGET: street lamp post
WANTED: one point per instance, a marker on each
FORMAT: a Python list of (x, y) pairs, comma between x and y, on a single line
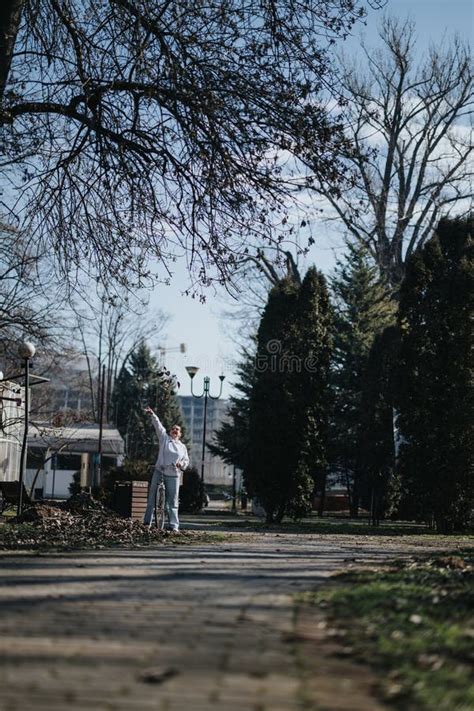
[(26, 351), (234, 490), (192, 370), (98, 456)]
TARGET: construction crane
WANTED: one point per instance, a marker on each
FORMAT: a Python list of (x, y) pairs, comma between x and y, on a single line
[(162, 350)]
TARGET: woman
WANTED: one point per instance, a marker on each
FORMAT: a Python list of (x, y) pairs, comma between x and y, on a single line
[(172, 460)]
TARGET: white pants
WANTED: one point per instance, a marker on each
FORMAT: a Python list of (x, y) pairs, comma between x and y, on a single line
[(171, 499)]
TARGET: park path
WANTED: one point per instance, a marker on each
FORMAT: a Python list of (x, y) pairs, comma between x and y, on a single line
[(178, 628)]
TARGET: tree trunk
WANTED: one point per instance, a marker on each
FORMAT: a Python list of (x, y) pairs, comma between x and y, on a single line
[(269, 517), (375, 505), (46, 458), (322, 497), (280, 513), (354, 505), (355, 500), (10, 15)]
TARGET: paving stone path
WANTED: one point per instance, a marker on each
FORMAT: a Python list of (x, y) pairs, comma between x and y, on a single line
[(178, 628)]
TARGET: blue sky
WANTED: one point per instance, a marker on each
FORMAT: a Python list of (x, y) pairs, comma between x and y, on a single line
[(201, 326)]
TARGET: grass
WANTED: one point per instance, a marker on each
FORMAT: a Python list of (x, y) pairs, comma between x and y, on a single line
[(217, 526), (414, 624), (328, 525)]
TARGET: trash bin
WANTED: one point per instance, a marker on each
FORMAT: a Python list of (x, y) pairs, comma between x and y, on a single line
[(130, 498)]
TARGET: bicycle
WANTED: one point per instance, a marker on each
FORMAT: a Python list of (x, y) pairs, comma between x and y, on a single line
[(159, 512)]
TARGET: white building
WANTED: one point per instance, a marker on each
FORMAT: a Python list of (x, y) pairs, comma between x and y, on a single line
[(12, 416), (55, 454), (216, 472)]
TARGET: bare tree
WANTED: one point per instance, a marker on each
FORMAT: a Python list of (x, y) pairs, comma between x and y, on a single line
[(10, 15), (30, 300), (410, 131), (109, 335), (150, 129), (247, 293), (55, 438)]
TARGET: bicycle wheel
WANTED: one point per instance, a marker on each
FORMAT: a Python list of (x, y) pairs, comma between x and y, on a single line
[(160, 507)]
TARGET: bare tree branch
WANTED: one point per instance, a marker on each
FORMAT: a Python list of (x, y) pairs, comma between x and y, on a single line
[(139, 131), (410, 132)]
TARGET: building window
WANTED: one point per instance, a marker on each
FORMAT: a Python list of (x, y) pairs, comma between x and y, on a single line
[(68, 461), (34, 457)]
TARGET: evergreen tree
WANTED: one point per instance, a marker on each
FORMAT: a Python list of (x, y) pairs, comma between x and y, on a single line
[(272, 446), (363, 309), (286, 408), (191, 493), (140, 383), (435, 379), (379, 483), (313, 341)]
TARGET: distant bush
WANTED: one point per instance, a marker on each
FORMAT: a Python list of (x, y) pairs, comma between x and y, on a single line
[(75, 485), (191, 493), (131, 470)]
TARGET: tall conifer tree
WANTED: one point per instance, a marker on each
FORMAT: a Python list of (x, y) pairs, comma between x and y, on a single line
[(363, 309), (140, 383), (313, 339), (435, 379), (272, 446), (287, 414), (379, 481)]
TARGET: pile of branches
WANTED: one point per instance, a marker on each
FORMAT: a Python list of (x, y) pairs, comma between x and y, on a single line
[(79, 522)]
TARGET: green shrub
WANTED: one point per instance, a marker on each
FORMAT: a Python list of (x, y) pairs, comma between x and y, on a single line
[(191, 494)]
